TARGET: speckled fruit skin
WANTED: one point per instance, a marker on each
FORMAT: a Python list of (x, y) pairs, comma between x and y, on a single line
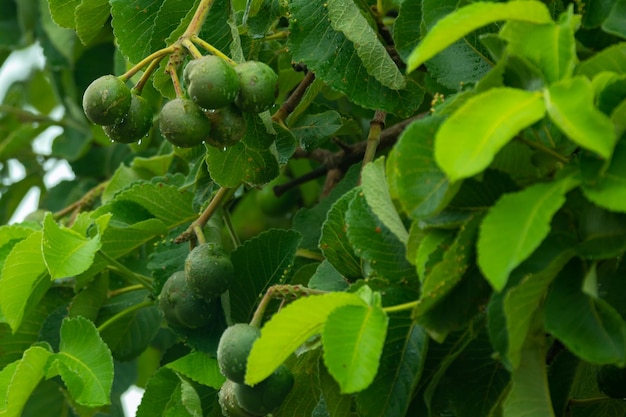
[(211, 82), (267, 395), (183, 123), (612, 381), (228, 402), (180, 306), (134, 125), (209, 270), (227, 127), (258, 84), (233, 350), (106, 100)]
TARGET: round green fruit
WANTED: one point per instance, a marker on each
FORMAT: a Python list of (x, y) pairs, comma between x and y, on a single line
[(233, 350), (227, 127), (183, 123), (258, 84), (228, 402), (273, 205), (106, 100), (134, 125), (180, 306), (612, 381), (211, 82), (209, 270), (268, 394)]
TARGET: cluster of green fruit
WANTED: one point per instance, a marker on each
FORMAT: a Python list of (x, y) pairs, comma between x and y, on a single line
[(218, 94), (187, 298), (235, 397)]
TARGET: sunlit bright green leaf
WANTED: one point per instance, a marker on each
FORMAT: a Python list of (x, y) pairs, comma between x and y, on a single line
[(469, 18), (468, 140), (610, 192)]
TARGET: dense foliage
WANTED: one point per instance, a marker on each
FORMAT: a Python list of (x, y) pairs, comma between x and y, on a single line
[(449, 240)]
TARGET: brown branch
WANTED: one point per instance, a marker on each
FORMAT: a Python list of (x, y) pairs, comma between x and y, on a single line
[(292, 101)]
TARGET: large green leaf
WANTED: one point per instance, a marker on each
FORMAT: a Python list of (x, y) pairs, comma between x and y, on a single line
[(611, 59), (468, 140), (290, 328), (19, 379), (346, 17), (199, 367), (610, 191), (471, 17), (615, 22), (84, 362), (317, 46), (353, 339), (550, 47), (423, 189), (24, 279), (525, 216), (67, 252), (312, 130), (400, 369), (91, 15), (570, 105), (161, 387), (589, 327), (259, 263), (334, 243), (406, 27)]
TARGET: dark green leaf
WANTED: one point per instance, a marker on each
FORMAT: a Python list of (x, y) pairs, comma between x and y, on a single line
[(312, 130)]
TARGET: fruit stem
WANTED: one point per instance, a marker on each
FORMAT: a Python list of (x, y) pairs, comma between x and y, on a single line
[(193, 29), (158, 56), (373, 138), (228, 222), (199, 234), (283, 34), (401, 307), (131, 309), (204, 44), (124, 290), (127, 273), (283, 291), (146, 75), (215, 203), (292, 101), (192, 48)]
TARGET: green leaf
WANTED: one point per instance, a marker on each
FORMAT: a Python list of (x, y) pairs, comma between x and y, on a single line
[(374, 186), (406, 27), (312, 130), (447, 273), (306, 391), (469, 18), (612, 59), (62, 12), (601, 233), (400, 369), (616, 20), (199, 367), (259, 263), (84, 362), (525, 216), (529, 394), (66, 252), (570, 105), (610, 191), (19, 379), (468, 140), (317, 46), (423, 189), (162, 385), (91, 15), (550, 47), (587, 326), (24, 279), (383, 253), (346, 17), (353, 339), (289, 329), (334, 243)]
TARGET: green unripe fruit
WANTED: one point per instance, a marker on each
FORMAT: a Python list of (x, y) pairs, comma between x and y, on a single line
[(211, 82), (183, 123), (209, 270), (227, 127), (134, 125), (273, 205), (228, 402), (180, 306), (233, 350), (268, 394), (106, 100), (258, 85), (612, 381)]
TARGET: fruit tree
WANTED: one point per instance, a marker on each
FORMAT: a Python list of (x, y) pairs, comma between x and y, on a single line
[(315, 208)]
